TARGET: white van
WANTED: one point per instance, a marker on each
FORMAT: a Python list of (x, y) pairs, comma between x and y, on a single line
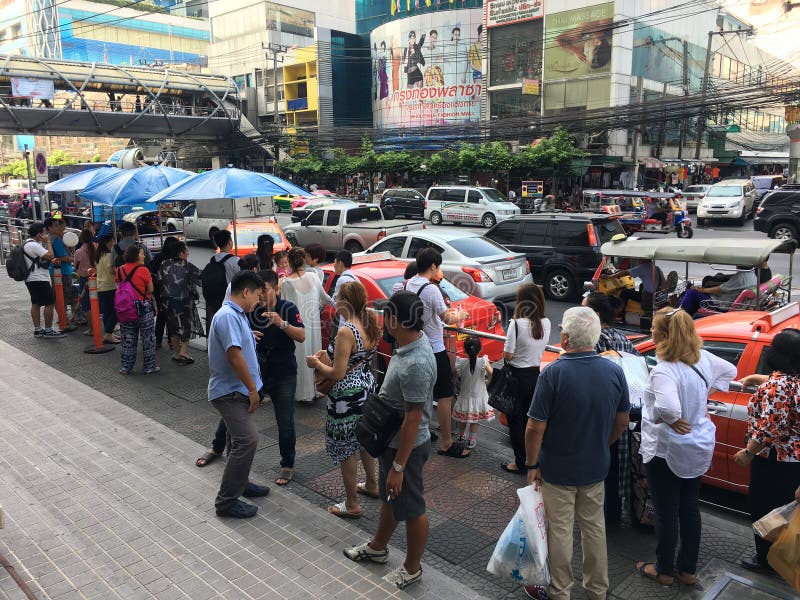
[(728, 199), (466, 204)]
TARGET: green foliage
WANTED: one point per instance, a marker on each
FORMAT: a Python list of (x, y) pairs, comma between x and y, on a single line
[(19, 170), (442, 162), (367, 158), (554, 154), (398, 162), (95, 158)]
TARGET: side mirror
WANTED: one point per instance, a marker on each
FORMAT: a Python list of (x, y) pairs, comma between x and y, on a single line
[(304, 222)]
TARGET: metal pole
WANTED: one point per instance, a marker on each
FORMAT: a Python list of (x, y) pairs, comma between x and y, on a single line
[(701, 126), (685, 83), (275, 108), (635, 148), (30, 187), (233, 221)]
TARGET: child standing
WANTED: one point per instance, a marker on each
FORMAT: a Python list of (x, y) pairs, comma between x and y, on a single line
[(282, 268), (472, 405)]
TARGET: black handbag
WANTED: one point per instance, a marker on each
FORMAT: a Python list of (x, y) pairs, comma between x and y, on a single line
[(502, 390), (379, 423)]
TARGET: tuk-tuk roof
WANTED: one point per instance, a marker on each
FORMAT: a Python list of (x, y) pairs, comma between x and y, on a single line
[(630, 194), (725, 251)]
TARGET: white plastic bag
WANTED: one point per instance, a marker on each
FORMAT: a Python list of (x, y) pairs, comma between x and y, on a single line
[(771, 525), (531, 504), (515, 556)]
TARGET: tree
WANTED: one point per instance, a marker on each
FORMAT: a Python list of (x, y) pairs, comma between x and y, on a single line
[(442, 162), (398, 162), (19, 168), (554, 154)]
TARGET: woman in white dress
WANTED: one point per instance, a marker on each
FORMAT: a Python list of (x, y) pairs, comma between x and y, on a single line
[(304, 289)]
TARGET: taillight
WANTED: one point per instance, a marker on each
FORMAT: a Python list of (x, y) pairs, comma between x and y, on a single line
[(478, 276), (381, 235), (527, 267), (425, 205), (592, 235)]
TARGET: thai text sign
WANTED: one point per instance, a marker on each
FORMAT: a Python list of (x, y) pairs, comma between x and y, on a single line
[(505, 12)]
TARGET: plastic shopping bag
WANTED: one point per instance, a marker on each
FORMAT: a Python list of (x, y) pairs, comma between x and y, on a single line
[(513, 556), (533, 520), (784, 555), (771, 525)]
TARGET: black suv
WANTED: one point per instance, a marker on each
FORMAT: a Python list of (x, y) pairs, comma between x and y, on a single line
[(778, 214), (563, 249), (403, 201)]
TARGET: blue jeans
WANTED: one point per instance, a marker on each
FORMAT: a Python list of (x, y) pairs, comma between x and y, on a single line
[(692, 299), (281, 392), (107, 309), (677, 507)]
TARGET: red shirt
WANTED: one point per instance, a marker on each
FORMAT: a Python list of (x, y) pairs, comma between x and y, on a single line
[(141, 278)]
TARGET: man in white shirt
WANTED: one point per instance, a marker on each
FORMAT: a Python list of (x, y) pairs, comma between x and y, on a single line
[(38, 251), (436, 314), (341, 266)]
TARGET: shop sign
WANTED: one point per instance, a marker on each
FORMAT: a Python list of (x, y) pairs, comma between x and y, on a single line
[(531, 87), (506, 12)]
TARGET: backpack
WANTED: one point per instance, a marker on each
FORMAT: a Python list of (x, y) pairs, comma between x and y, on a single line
[(119, 256), (17, 266), (125, 299), (215, 281)]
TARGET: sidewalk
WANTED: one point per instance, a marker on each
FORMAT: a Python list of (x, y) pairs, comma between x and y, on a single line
[(102, 502)]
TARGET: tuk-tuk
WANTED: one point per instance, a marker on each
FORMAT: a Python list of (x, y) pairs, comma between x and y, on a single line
[(649, 212), (725, 254), (606, 201)]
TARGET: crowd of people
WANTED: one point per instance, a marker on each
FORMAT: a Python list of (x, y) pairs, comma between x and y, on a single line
[(569, 427)]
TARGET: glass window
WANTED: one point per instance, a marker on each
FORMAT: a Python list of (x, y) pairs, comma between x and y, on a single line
[(249, 237), (516, 53), (505, 233), (455, 195), (364, 214), (190, 210), (535, 234), (730, 351), (333, 217), (387, 283), (315, 218), (477, 247), (724, 191), (608, 229), (571, 234), (493, 195), (392, 245), (474, 197), (418, 244), (437, 194)]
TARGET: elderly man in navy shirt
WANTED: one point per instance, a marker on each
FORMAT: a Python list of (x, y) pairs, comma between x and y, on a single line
[(233, 388), (580, 408)]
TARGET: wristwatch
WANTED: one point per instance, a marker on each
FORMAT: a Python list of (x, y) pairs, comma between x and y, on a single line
[(747, 452), (398, 468), (285, 325), (536, 466)]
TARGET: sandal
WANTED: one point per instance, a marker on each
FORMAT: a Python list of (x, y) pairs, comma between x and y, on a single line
[(206, 459), (340, 510), (361, 488), (517, 471), (687, 578), (285, 477), (662, 580), (456, 450)]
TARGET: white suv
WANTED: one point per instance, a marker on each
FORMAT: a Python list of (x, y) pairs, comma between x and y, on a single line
[(728, 199)]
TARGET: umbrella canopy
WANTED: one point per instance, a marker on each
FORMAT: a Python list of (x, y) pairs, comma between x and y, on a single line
[(132, 186), (227, 183), (78, 181)]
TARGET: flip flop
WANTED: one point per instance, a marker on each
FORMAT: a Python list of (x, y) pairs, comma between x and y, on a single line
[(286, 476), (641, 568), (456, 450), (361, 488), (206, 459), (340, 510), (516, 471)]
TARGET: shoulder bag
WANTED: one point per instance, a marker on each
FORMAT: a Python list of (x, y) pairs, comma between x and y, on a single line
[(379, 423)]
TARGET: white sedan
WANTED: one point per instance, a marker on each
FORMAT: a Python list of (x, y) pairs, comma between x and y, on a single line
[(475, 264)]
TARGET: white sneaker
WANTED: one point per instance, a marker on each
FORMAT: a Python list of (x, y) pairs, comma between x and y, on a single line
[(364, 552), (402, 578)]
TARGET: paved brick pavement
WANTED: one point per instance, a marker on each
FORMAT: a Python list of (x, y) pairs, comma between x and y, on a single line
[(470, 500)]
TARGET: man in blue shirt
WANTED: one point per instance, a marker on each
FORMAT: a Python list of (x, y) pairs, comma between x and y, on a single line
[(580, 408), (280, 325), (233, 388), (63, 260)]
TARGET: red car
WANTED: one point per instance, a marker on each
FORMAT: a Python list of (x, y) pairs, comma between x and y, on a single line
[(379, 274), (739, 337)]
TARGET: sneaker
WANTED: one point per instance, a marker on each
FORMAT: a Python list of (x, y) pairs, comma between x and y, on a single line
[(364, 552), (53, 334), (38, 333), (238, 510), (402, 578), (255, 491), (536, 592)]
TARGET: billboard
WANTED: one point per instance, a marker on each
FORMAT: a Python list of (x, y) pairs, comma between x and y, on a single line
[(428, 70), (506, 12), (578, 42)]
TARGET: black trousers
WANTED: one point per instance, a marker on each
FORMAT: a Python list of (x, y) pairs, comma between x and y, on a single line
[(772, 484), (526, 382)]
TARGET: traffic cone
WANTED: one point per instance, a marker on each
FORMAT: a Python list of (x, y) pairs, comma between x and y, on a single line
[(98, 347)]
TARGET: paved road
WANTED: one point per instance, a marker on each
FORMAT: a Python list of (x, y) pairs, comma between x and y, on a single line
[(201, 251)]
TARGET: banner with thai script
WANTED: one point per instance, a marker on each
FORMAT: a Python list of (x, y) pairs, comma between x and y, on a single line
[(26, 87), (506, 12), (428, 70)]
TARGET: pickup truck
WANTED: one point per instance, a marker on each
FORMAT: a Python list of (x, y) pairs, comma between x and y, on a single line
[(195, 227), (352, 227)]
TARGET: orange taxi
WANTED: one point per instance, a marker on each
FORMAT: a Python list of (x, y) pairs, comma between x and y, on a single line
[(248, 230)]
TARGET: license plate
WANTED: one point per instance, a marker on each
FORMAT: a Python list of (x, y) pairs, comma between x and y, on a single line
[(508, 274)]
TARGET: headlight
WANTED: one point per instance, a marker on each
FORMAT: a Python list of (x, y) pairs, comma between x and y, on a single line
[(734, 204)]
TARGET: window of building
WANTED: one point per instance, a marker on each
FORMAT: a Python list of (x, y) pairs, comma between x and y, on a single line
[(516, 53), (289, 20), (513, 103)]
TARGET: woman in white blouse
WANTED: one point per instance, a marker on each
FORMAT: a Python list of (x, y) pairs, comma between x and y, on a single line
[(678, 441), (526, 339)]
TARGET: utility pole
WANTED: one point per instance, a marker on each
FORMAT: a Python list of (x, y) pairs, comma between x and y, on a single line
[(30, 185), (275, 49), (635, 145), (685, 84)]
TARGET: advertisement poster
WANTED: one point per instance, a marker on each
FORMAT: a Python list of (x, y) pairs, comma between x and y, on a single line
[(25, 87), (399, 9), (578, 42), (506, 12), (428, 70), (531, 87)]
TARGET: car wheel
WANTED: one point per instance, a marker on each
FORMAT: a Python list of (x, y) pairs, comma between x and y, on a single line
[(211, 233), (783, 231), (488, 220), (740, 221), (389, 213), (436, 218), (171, 228), (353, 247), (559, 285)]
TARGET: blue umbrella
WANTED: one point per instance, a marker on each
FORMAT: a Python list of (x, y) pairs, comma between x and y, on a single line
[(132, 186), (227, 183), (78, 181)]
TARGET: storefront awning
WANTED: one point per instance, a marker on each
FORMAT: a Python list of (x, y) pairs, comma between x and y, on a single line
[(651, 163), (765, 158)]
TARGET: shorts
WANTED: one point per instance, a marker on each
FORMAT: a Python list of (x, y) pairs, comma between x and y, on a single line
[(411, 501), (443, 388), (41, 293)]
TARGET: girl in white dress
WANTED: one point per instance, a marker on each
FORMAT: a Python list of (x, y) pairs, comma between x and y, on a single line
[(472, 405), (304, 289)]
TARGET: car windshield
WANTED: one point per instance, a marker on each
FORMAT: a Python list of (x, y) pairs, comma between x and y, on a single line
[(455, 294), (249, 237), (475, 247), (694, 189), (494, 195), (719, 191), (608, 229)]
